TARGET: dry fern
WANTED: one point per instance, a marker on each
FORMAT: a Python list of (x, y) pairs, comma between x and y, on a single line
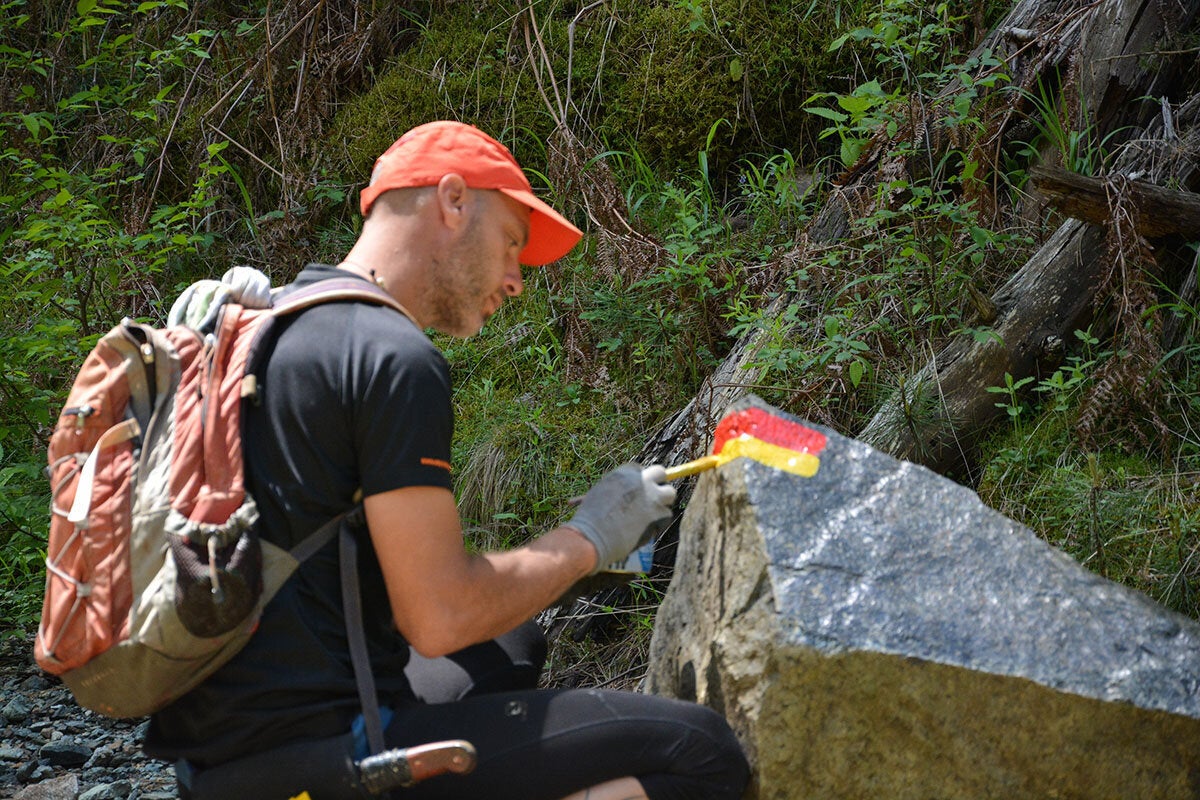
[(1125, 396)]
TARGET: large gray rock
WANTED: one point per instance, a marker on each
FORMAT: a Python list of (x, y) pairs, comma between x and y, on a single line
[(876, 631)]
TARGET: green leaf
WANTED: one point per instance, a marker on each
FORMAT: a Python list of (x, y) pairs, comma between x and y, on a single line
[(856, 105), (856, 370), (837, 43), (85, 7), (735, 69), (827, 113), (851, 148), (870, 89)]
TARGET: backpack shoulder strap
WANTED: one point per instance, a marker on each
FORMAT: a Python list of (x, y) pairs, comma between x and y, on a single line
[(360, 659), (352, 613), (334, 289), (326, 291), (330, 290)]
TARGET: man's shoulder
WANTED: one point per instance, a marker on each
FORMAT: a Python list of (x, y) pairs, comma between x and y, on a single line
[(339, 323)]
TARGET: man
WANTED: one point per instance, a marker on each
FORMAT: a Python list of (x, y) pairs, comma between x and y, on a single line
[(357, 399)]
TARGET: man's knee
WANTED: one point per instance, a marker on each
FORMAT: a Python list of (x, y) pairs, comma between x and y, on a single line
[(711, 754)]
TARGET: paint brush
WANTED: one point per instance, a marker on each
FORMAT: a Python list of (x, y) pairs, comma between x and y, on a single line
[(759, 435), (752, 433)]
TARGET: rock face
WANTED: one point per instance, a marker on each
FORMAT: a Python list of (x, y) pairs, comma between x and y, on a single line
[(876, 631)]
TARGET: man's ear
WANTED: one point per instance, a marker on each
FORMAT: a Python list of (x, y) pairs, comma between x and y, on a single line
[(452, 200)]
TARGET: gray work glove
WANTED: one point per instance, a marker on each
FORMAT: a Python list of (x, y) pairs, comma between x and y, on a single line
[(622, 510)]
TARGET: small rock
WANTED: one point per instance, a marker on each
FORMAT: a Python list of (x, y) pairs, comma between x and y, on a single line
[(35, 683), (101, 757), (28, 735), (62, 788), (66, 753), (16, 709), (12, 754), (120, 790)]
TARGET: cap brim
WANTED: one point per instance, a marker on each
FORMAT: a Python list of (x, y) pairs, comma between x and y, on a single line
[(551, 236)]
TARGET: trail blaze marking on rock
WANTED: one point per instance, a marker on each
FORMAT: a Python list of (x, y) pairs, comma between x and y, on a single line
[(762, 436)]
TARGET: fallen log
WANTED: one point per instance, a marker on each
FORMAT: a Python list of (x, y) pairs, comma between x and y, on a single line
[(1158, 211), (938, 414)]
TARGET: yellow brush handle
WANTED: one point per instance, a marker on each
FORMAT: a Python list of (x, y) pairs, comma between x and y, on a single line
[(678, 471), (692, 467)]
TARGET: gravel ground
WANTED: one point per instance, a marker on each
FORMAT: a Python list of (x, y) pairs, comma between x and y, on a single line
[(52, 749)]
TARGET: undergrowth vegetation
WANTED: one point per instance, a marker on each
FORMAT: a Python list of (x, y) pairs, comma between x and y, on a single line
[(701, 144)]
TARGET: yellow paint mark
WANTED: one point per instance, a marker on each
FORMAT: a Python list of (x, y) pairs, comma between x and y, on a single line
[(782, 458), (746, 446), (301, 796)]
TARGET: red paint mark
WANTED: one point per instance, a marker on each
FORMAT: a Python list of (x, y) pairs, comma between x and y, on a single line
[(766, 427)]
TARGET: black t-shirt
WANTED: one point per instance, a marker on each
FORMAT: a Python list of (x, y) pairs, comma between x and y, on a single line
[(353, 395)]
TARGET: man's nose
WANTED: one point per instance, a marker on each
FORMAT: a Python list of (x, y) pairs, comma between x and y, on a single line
[(513, 283)]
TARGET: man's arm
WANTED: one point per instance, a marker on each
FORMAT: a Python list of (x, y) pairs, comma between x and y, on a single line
[(445, 598)]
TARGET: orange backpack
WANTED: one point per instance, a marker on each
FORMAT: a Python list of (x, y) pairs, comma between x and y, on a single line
[(155, 573)]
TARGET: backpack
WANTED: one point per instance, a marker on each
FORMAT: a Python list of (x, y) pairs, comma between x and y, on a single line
[(155, 574)]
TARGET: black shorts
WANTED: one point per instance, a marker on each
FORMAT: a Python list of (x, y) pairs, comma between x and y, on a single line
[(543, 744), (532, 744)]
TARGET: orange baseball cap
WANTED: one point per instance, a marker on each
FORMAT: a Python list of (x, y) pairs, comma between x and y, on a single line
[(428, 152)]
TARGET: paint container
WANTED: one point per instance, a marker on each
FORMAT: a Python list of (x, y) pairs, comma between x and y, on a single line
[(639, 561)]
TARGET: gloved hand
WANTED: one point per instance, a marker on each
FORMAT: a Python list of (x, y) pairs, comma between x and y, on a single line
[(622, 509)]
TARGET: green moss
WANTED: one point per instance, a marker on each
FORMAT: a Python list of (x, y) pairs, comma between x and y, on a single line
[(653, 73), (464, 66), (750, 63)]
